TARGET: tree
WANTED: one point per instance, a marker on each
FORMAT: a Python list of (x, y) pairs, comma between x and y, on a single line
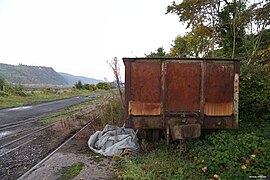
[(160, 52), (2, 83), (198, 13), (114, 64), (79, 84), (231, 28), (196, 43), (180, 47), (228, 21)]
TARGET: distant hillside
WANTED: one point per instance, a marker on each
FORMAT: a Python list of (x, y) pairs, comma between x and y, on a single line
[(73, 79), (23, 74)]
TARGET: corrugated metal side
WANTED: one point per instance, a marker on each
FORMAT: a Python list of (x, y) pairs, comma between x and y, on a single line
[(219, 89), (145, 88), (183, 86)]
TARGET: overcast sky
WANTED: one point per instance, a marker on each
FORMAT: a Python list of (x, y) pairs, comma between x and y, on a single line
[(79, 36)]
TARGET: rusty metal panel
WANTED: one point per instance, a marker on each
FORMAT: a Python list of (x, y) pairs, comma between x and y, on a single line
[(147, 123), (187, 131), (141, 108), (219, 87), (145, 88), (218, 122), (204, 91), (183, 86), (218, 109)]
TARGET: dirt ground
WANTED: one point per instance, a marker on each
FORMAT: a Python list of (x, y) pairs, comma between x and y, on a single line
[(76, 151)]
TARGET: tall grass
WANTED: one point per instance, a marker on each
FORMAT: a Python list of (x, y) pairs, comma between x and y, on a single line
[(112, 113)]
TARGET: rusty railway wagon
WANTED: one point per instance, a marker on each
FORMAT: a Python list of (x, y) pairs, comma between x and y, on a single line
[(181, 96)]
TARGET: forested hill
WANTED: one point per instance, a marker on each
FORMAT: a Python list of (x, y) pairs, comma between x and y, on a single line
[(23, 74)]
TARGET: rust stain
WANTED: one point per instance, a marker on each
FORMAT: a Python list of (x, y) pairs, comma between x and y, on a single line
[(183, 86), (219, 84), (218, 109), (146, 82), (141, 108), (147, 123)]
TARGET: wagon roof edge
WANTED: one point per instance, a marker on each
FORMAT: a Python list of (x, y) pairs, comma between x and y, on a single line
[(184, 59)]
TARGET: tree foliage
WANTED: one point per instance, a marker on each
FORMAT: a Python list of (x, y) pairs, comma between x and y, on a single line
[(90, 87), (103, 85), (160, 52), (228, 23), (255, 88), (2, 83), (79, 85), (195, 43)]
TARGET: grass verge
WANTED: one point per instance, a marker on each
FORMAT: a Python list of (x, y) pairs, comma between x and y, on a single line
[(61, 115), (42, 96), (72, 110)]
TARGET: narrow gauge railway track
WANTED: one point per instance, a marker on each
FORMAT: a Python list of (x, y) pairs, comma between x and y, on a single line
[(13, 140), (26, 127), (21, 145), (57, 149), (16, 142), (33, 141)]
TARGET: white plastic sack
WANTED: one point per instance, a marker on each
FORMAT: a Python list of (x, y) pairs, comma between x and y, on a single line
[(113, 140)]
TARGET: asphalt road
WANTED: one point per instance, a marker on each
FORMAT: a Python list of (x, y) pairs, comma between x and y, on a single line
[(12, 115)]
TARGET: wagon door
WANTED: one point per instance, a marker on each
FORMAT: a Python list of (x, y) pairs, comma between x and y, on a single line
[(145, 89), (219, 89), (183, 80)]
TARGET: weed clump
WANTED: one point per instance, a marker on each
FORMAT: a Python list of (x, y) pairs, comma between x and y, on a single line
[(112, 113), (72, 171)]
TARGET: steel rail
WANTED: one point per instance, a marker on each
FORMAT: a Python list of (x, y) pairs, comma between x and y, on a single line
[(52, 153)]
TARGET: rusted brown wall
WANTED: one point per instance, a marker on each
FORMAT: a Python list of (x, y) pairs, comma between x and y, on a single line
[(145, 88), (163, 88), (219, 78), (183, 86)]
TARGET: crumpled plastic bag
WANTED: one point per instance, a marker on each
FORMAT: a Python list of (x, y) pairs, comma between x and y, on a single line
[(113, 140)]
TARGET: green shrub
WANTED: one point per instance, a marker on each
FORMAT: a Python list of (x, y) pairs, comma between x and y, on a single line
[(254, 88), (229, 154), (90, 87), (3, 94), (104, 85)]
